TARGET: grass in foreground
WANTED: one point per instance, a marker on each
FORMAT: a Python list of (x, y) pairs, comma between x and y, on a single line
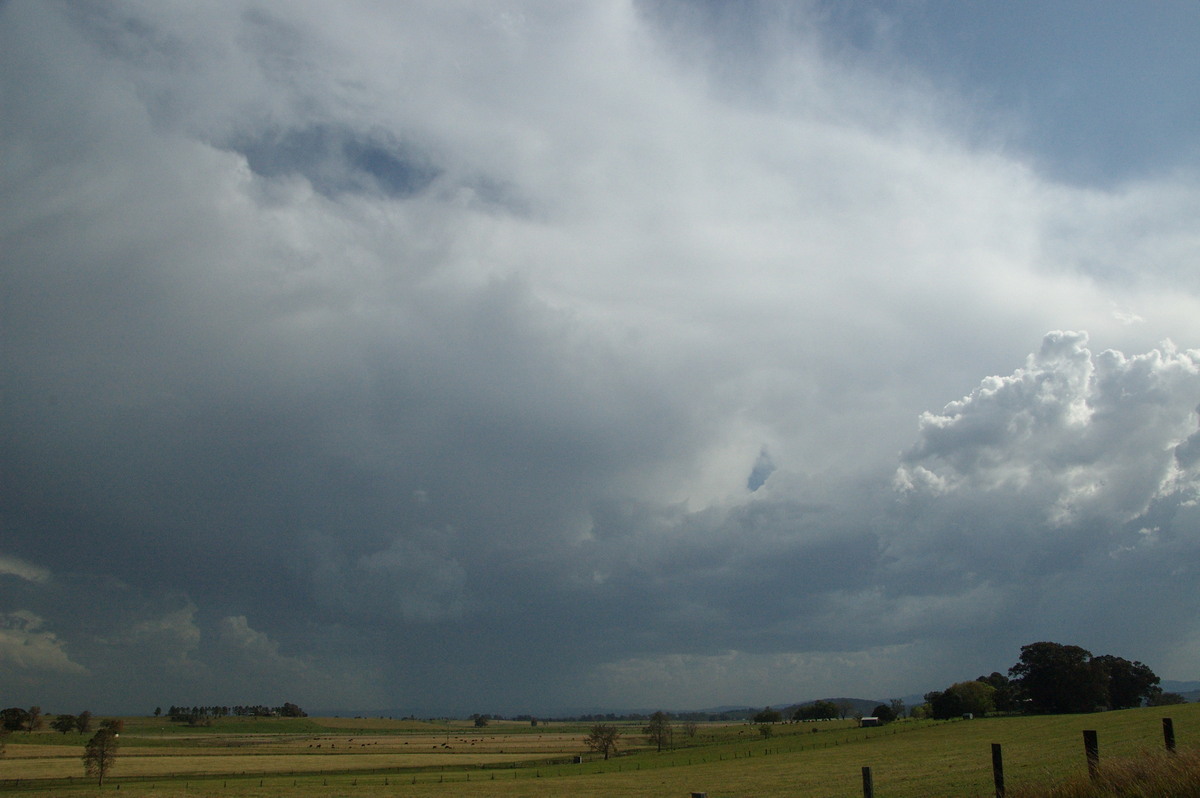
[(909, 760), (1153, 774)]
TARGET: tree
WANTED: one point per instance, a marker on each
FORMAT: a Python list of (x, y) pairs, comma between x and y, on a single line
[(290, 710), (817, 710), (100, 753), (1054, 678), (975, 698), (766, 730), (768, 715), (659, 731), (83, 723), (1165, 700), (14, 718), (35, 721), (1005, 695), (690, 727), (897, 707), (884, 713), (64, 723), (603, 739), (157, 711), (1130, 684)]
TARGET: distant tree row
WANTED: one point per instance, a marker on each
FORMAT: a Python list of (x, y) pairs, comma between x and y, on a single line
[(200, 716), (1052, 678), (818, 710), (611, 717), (30, 720)]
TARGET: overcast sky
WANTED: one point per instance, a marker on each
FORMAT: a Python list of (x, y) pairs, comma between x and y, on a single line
[(509, 357)]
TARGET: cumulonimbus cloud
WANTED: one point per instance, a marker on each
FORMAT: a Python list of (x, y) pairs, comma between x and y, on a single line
[(404, 336), (1091, 435)]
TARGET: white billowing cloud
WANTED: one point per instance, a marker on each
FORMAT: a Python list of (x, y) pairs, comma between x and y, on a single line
[(27, 647), (1090, 436), (15, 566)]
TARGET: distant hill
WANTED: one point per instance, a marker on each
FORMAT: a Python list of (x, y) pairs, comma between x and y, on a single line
[(1189, 690), (732, 713), (862, 706)]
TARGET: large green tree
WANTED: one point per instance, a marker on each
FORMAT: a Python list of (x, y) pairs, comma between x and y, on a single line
[(962, 698), (14, 718), (1005, 697), (1054, 678), (1130, 684)]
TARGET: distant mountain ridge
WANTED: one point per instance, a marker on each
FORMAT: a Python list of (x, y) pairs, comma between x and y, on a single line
[(729, 712), (1189, 690)]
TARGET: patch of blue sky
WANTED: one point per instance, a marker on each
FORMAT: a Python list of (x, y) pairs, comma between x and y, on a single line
[(336, 159), (1098, 91)]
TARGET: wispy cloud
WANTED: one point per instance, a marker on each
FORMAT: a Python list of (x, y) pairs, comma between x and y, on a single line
[(13, 566)]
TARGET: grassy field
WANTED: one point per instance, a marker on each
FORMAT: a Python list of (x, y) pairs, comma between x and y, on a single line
[(242, 758)]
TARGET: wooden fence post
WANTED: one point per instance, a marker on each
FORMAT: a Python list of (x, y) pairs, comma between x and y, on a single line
[(868, 783), (998, 770), (1091, 747), (1169, 734)]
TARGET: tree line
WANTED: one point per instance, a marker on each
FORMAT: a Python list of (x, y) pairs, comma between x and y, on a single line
[(1052, 678), (30, 720), (203, 716), (1048, 678)]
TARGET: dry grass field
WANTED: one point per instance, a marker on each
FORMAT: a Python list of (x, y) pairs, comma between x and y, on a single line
[(154, 748), (354, 757)]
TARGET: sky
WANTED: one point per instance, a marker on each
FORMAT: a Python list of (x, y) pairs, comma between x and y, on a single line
[(537, 357)]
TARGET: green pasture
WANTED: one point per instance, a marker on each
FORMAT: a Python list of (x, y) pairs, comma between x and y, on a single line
[(908, 759)]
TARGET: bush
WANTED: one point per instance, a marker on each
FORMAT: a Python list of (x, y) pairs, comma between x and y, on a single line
[(1165, 700)]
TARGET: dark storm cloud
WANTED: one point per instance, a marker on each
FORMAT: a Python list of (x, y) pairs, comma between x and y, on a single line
[(410, 360)]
